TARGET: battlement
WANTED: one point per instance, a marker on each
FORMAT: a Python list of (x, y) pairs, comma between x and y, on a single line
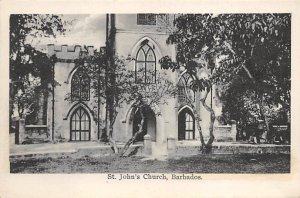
[(69, 52)]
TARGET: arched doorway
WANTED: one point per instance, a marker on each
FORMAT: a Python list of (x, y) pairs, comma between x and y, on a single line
[(149, 126), (186, 125), (80, 125)]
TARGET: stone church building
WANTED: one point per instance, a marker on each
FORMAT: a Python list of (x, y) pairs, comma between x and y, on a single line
[(76, 120)]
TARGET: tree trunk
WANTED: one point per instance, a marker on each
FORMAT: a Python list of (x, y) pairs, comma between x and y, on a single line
[(287, 108), (111, 140), (20, 109), (254, 82), (261, 108), (12, 92), (265, 118), (133, 138), (208, 146), (45, 107), (211, 123), (110, 124), (197, 118), (205, 147), (260, 103)]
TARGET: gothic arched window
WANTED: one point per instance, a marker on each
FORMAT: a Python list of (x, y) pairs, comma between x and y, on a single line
[(184, 90), (145, 65), (186, 125), (80, 125), (80, 86)]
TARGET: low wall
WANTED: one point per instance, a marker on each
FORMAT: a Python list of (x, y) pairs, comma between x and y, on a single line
[(234, 149), (225, 133), (280, 128), (31, 134), (283, 131), (12, 138)]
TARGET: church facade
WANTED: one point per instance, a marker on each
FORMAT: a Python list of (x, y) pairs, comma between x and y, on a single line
[(143, 38)]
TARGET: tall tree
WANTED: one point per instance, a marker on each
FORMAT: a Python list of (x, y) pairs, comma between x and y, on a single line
[(196, 54), (26, 62), (258, 56), (249, 48)]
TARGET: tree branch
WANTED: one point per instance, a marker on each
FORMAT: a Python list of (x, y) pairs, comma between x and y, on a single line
[(243, 64), (133, 138)]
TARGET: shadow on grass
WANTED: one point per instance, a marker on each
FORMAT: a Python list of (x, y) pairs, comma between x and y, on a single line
[(239, 163)]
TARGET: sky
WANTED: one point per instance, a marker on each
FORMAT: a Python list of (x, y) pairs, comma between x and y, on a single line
[(85, 30)]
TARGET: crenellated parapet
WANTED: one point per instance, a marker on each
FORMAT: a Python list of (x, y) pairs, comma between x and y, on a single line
[(69, 53)]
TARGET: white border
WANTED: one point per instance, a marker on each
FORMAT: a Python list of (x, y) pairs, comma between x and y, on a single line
[(96, 185)]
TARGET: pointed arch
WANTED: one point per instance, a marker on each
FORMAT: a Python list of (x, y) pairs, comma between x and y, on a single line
[(71, 74), (149, 126), (146, 39), (145, 64), (131, 110), (80, 125), (80, 86), (159, 120), (77, 105), (185, 107), (186, 124), (128, 113), (184, 90), (151, 66)]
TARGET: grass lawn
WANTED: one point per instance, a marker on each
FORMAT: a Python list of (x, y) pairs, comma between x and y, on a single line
[(239, 163)]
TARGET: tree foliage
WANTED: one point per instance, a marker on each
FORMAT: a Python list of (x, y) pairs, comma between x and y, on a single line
[(195, 53), (258, 45), (24, 58), (116, 85), (26, 62), (248, 53), (257, 68)]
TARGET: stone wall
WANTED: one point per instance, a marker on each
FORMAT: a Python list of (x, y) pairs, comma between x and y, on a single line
[(65, 67), (225, 133), (31, 134), (128, 30), (234, 149), (166, 114)]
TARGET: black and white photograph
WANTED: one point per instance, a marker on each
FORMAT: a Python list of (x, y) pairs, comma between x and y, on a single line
[(160, 93), (150, 96)]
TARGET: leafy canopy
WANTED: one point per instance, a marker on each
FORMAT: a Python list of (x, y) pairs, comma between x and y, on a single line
[(248, 53)]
